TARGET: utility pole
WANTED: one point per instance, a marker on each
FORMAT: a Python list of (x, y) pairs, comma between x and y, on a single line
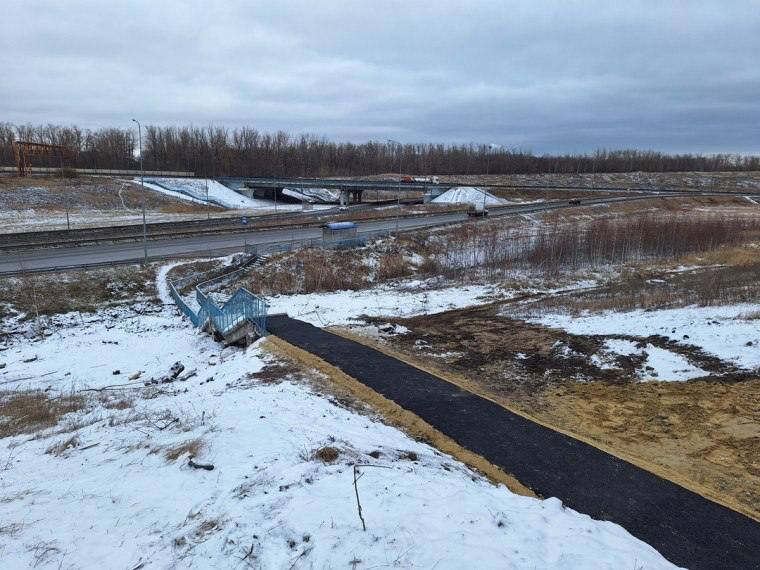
[(398, 190), (142, 183)]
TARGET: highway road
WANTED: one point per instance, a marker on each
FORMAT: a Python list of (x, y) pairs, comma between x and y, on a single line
[(193, 246)]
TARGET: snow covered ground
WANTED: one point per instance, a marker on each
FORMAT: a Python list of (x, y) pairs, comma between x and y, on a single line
[(194, 190), (43, 220), (110, 486), (722, 331), (313, 195), (400, 300), (468, 195)]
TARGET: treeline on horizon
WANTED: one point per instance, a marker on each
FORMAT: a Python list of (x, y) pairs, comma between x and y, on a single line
[(245, 151)]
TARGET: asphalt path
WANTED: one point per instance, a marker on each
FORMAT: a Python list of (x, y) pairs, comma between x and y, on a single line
[(686, 528)]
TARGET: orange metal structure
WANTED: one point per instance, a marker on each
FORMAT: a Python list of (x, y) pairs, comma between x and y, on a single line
[(25, 150)]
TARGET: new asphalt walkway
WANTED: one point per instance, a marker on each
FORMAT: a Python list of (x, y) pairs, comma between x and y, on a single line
[(688, 529)]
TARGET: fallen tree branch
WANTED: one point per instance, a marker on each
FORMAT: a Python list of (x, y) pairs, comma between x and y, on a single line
[(194, 465), (356, 487)]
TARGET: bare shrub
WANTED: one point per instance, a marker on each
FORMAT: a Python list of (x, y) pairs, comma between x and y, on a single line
[(430, 265), (392, 266), (327, 454)]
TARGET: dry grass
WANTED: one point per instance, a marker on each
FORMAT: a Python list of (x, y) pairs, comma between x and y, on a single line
[(28, 412), (63, 446), (191, 447), (87, 193), (327, 454), (309, 271), (82, 290), (392, 266)]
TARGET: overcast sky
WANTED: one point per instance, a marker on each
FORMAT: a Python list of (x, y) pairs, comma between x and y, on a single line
[(549, 76)]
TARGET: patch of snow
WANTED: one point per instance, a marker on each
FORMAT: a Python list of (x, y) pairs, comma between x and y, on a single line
[(718, 330), (659, 363), (113, 496), (342, 307), (664, 364), (468, 195)]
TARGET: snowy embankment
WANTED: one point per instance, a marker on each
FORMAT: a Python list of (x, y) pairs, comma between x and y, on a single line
[(313, 195), (111, 486), (468, 195), (724, 331), (400, 300), (194, 190)]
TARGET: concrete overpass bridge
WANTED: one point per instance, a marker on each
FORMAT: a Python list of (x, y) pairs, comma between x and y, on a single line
[(349, 190)]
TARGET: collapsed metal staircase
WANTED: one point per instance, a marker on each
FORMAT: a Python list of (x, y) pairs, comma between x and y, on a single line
[(240, 319)]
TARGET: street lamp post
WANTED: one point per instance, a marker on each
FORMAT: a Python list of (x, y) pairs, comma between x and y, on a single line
[(491, 147), (142, 183), (398, 189)]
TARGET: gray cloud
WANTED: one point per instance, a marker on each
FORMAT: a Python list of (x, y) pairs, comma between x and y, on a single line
[(545, 75)]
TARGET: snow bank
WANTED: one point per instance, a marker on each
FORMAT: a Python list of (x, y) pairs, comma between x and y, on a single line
[(468, 195), (194, 190), (313, 195), (116, 498), (718, 330)]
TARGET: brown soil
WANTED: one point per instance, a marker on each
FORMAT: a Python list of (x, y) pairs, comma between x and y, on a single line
[(703, 434)]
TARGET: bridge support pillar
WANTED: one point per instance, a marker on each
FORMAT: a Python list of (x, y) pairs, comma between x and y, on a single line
[(345, 198)]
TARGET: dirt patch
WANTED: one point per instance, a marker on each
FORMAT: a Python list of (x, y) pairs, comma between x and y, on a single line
[(702, 433), (707, 431)]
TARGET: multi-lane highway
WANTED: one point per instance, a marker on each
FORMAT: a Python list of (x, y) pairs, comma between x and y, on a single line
[(49, 259)]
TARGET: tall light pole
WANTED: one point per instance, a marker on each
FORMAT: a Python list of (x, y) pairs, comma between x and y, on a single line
[(491, 148), (142, 183), (398, 190)]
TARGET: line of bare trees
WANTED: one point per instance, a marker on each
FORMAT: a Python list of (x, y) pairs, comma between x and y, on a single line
[(245, 151)]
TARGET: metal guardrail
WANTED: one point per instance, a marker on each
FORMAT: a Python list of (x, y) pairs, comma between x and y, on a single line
[(320, 243)]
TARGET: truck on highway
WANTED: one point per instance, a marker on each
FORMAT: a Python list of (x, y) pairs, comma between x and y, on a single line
[(477, 210), (420, 179)]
